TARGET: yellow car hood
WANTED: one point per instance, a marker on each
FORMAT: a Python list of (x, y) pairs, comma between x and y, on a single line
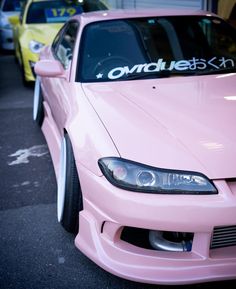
[(44, 33)]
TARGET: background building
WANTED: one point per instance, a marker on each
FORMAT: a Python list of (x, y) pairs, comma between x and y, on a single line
[(225, 8)]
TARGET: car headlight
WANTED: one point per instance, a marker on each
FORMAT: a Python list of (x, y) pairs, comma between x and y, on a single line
[(35, 46), (137, 177), (7, 26)]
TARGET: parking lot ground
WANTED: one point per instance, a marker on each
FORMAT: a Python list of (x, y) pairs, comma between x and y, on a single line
[(35, 252)]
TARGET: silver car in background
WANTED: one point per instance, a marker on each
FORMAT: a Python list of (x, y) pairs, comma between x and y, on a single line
[(8, 8)]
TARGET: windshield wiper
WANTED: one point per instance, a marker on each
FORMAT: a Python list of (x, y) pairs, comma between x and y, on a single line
[(170, 73), (216, 71), (143, 75), (159, 74)]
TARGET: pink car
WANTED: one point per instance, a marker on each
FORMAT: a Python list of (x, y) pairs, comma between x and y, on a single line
[(139, 110)]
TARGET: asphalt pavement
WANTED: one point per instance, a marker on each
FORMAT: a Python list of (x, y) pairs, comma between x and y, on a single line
[(35, 252)]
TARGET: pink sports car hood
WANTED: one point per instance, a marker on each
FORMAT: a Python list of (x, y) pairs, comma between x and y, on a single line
[(185, 123)]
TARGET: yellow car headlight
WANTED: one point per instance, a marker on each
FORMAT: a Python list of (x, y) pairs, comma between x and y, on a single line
[(35, 46)]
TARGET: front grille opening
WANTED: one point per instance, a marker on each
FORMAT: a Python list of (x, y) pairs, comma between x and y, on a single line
[(136, 236), (223, 237), (158, 240)]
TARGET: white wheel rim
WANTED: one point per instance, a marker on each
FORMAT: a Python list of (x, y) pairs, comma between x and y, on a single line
[(61, 183), (36, 97)]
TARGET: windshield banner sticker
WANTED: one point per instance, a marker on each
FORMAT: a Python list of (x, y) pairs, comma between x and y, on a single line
[(181, 65), (61, 14)]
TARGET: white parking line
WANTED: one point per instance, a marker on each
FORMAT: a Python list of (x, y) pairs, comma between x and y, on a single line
[(22, 155)]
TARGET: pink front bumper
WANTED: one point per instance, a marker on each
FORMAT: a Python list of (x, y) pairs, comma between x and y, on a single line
[(108, 209)]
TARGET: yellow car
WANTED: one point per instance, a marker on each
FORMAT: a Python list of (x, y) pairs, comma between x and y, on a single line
[(38, 25)]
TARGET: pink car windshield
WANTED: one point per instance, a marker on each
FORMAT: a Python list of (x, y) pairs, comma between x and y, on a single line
[(156, 47)]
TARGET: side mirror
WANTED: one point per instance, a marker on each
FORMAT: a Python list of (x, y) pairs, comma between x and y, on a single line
[(49, 68), (14, 20)]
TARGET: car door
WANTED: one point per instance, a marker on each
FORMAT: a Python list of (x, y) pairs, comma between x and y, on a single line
[(57, 95)]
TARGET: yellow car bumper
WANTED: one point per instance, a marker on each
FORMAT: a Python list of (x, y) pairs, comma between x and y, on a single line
[(28, 60)]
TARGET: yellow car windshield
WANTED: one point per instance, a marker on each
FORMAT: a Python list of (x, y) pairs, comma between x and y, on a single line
[(59, 11), (51, 12)]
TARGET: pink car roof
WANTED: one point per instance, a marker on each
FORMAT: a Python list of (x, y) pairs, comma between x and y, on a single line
[(90, 17)]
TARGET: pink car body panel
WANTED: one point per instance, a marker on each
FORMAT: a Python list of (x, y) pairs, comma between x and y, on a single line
[(191, 135), (169, 129)]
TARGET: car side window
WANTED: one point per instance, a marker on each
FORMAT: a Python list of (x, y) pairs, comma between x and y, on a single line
[(57, 40), (66, 42)]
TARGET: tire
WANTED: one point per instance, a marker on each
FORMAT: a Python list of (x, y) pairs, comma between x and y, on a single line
[(17, 54), (38, 112), (25, 82), (69, 195)]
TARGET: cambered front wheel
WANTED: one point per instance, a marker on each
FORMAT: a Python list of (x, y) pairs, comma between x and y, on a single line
[(69, 195)]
